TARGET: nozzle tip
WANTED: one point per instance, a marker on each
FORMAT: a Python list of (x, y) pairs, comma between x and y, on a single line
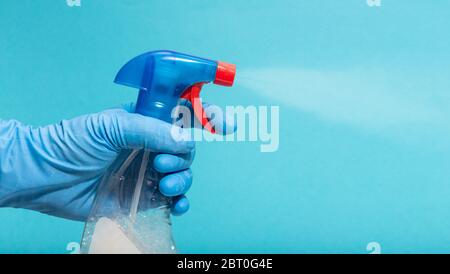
[(225, 74)]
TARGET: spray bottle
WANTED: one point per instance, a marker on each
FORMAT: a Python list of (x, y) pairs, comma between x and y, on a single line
[(129, 214)]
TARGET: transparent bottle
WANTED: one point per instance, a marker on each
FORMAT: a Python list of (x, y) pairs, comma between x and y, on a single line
[(129, 214)]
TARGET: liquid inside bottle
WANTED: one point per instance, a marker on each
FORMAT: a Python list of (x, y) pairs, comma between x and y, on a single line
[(129, 214)]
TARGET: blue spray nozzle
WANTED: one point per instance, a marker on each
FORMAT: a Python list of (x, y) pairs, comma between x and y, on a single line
[(149, 69), (164, 76)]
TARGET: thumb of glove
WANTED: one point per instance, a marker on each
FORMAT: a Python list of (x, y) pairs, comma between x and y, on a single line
[(135, 131)]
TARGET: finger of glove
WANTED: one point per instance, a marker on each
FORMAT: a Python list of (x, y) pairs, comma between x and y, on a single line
[(176, 184), (180, 205), (168, 163)]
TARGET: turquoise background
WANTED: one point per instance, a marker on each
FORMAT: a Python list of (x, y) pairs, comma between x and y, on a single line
[(364, 115)]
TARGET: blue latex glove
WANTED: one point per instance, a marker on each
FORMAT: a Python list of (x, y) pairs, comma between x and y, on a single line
[(56, 169)]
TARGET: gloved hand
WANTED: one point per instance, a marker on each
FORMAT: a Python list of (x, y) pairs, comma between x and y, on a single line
[(56, 169)]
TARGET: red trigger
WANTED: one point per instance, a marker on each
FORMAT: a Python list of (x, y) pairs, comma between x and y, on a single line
[(193, 95)]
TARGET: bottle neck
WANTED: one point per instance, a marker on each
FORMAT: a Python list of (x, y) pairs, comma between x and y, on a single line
[(158, 105)]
